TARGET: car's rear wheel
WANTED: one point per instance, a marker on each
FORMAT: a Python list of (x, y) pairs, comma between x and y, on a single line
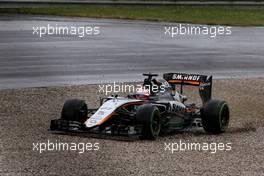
[(215, 116), (74, 110), (149, 116)]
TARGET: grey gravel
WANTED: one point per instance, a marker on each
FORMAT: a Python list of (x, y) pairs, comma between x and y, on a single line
[(25, 115)]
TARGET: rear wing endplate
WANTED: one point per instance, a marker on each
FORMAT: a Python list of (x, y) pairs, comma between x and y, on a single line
[(202, 81)]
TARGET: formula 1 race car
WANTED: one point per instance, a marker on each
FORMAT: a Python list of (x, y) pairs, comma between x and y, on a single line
[(160, 109)]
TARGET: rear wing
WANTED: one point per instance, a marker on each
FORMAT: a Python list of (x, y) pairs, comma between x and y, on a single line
[(202, 81)]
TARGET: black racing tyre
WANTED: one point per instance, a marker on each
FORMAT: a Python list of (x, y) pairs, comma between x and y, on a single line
[(149, 116), (74, 110), (215, 116)]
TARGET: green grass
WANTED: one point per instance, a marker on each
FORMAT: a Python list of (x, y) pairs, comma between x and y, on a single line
[(192, 0), (242, 16)]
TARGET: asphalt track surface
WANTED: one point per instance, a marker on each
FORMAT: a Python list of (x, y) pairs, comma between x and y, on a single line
[(123, 50)]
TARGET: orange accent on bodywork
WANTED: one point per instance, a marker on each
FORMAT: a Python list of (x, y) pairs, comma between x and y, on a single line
[(134, 103), (184, 82), (189, 110), (113, 113), (105, 119)]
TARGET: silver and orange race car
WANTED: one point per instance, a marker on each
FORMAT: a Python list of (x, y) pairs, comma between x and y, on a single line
[(149, 113)]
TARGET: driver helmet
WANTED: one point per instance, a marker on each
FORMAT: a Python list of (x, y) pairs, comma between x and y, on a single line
[(164, 86)]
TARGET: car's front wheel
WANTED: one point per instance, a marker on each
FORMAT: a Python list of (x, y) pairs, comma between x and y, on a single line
[(74, 110), (149, 116)]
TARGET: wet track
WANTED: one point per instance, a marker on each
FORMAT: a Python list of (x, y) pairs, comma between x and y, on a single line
[(122, 51)]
